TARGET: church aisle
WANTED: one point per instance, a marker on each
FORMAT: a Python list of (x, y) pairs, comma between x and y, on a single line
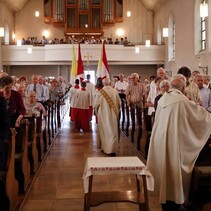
[(59, 185)]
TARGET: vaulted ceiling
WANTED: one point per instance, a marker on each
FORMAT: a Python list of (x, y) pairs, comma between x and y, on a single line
[(17, 5), (152, 5)]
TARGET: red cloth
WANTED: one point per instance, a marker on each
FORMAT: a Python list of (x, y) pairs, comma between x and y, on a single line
[(90, 112), (73, 114), (82, 119)]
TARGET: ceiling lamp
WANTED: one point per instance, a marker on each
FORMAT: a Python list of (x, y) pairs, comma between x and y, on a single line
[(147, 43), (165, 32), (128, 13), (203, 10)]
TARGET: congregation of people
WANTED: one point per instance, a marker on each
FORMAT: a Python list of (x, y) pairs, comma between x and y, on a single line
[(74, 40), (21, 98), (181, 105)]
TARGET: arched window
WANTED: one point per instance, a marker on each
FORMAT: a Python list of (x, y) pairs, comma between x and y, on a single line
[(200, 29), (171, 38), (159, 34), (6, 34)]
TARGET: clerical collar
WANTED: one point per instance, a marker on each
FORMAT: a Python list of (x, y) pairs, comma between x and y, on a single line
[(76, 86), (83, 89)]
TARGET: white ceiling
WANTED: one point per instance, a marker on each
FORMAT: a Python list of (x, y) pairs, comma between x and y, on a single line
[(17, 5)]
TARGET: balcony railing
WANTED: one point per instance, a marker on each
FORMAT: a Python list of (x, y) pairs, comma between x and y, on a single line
[(61, 54)]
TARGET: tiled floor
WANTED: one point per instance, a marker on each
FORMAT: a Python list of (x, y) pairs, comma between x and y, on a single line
[(59, 185)]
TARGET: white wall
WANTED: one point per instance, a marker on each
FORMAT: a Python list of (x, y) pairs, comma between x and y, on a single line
[(52, 70), (138, 27), (27, 25), (183, 13)]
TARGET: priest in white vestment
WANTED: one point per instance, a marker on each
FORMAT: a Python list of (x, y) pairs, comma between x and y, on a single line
[(180, 131), (107, 106)]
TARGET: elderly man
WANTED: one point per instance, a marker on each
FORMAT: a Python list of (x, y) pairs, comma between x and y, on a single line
[(205, 93), (35, 86), (153, 93), (191, 89), (121, 86), (180, 131), (107, 106), (41, 81), (136, 96)]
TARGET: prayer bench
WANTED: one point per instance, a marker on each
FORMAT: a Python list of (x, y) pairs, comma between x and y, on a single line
[(200, 192), (118, 166)]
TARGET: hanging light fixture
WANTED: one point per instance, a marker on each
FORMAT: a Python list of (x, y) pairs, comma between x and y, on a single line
[(147, 43), (128, 13), (136, 49), (204, 10), (1, 31), (165, 32)]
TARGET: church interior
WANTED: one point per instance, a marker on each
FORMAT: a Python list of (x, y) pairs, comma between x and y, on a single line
[(50, 156)]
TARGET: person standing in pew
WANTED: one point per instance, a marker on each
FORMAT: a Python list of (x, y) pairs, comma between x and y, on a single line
[(15, 105), (136, 96), (35, 86), (180, 131), (4, 131), (4, 136)]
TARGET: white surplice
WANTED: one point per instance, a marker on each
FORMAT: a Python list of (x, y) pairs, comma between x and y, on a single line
[(108, 128), (180, 131)]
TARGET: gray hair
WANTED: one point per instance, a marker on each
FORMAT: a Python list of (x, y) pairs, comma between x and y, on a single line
[(135, 75), (163, 83), (178, 82)]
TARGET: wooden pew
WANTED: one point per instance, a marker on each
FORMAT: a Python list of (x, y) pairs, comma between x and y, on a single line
[(22, 165), (8, 183), (32, 145), (48, 121), (200, 191), (148, 121), (52, 120), (40, 127)]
